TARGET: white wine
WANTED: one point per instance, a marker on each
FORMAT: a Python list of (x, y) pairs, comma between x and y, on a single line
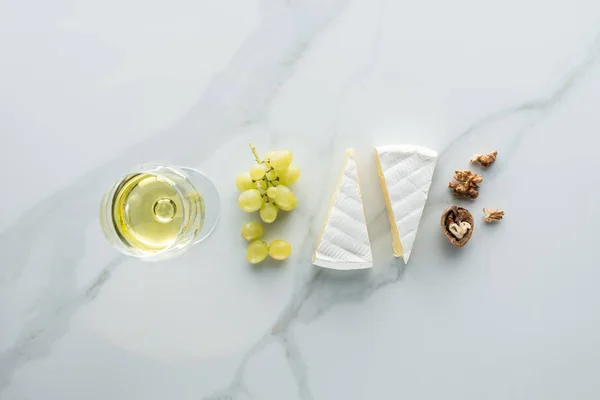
[(153, 211), (147, 212)]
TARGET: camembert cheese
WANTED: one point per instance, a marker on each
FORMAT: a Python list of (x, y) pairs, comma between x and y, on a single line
[(344, 242), (405, 172)]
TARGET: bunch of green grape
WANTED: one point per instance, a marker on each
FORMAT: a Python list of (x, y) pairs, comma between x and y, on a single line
[(266, 189), (259, 249)]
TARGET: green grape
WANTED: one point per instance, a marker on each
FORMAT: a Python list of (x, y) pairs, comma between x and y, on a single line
[(281, 160), (244, 182), (290, 176), (257, 251), (272, 192), (252, 231), (257, 171), (286, 158), (286, 200), (280, 249), (268, 212), (250, 200)]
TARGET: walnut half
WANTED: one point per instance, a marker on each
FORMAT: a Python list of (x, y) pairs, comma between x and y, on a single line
[(457, 224)]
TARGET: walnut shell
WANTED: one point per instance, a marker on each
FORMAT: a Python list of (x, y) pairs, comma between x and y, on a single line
[(457, 215)]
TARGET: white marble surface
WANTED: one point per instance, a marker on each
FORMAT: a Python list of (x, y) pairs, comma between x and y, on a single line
[(89, 88)]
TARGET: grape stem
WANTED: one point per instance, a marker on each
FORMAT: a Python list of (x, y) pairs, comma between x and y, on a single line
[(256, 157)]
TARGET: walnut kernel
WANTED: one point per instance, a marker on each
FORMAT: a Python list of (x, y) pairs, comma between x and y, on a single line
[(485, 159), (492, 214), (459, 230), (467, 184)]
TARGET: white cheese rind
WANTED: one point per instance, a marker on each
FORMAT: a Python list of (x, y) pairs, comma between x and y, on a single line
[(408, 172), (344, 243)]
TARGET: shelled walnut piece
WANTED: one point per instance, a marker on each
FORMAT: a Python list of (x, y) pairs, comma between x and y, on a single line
[(467, 184), (457, 224), (485, 159), (491, 214)]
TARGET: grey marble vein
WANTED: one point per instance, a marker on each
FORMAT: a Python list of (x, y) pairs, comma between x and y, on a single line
[(538, 108), (297, 365)]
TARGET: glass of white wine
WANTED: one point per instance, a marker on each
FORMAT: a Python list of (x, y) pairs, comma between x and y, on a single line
[(159, 211)]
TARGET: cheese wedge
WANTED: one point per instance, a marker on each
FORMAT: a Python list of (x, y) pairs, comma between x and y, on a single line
[(405, 172), (344, 243)]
